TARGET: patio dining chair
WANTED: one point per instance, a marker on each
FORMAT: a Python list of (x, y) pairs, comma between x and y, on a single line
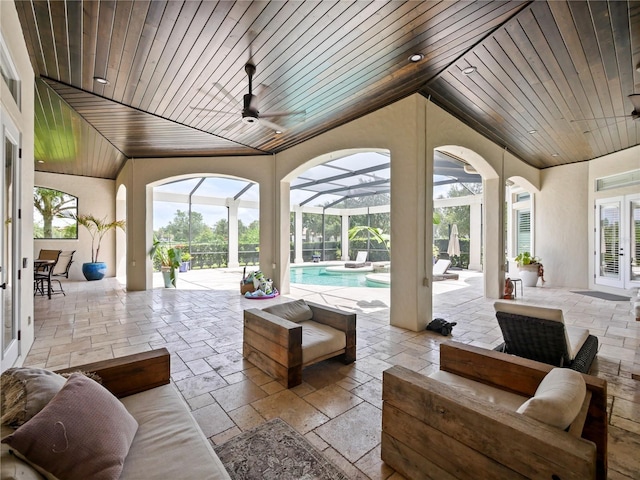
[(61, 269), (540, 334), (43, 271)]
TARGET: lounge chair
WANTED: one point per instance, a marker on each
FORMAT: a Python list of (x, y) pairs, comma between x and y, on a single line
[(540, 334), (360, 261), (475, 417), (440, 271)]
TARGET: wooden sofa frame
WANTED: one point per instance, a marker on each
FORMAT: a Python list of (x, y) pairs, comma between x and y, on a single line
[(431, 430), (130, 374), (274, 344)]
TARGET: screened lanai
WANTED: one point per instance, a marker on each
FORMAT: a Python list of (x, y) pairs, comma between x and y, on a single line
[(215, 219)]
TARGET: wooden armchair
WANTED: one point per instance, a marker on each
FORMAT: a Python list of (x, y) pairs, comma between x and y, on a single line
[(281, 347), (431, 429)]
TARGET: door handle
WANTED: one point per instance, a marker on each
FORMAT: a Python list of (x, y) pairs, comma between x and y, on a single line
[(4, 286)]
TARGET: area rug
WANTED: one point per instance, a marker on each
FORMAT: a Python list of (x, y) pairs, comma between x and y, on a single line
[(605, 296), (275, 451)]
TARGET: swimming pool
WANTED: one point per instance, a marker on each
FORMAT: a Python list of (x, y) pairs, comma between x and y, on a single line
[(312, 275)]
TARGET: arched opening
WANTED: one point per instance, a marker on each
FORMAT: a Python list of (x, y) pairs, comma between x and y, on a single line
[(340, 209), (212, 220), (460, 195)]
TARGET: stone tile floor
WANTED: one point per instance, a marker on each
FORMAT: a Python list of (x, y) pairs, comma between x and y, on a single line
[(337, 407)]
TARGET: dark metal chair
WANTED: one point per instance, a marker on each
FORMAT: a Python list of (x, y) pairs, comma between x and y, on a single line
[(540, 334), (43, 269)]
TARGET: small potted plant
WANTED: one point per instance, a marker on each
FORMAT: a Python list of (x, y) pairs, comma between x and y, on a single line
[(185, 262), (530, 268), (169, 260), (97, 228)]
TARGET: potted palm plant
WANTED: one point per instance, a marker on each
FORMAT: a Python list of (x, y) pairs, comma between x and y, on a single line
[(169, 259), (97, 228), (530, 268)]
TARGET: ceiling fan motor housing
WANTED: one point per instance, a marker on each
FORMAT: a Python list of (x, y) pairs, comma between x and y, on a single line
[(249, 113)]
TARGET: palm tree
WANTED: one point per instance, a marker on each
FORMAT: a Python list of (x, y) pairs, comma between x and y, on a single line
[(97, 229), (51, 204)]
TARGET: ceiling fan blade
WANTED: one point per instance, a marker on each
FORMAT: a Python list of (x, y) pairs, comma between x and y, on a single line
[(225, 93), (283, 114), (209, 110), (635, 99), (271, 125)]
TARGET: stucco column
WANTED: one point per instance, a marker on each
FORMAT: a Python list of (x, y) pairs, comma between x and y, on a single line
[(282, 210), (344, 237), (139, 228), (232, 206), (298, 234), (475, 237), (411, 206), (494, 194)]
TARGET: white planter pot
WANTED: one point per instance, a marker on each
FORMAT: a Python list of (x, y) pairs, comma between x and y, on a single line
[(529, 275)]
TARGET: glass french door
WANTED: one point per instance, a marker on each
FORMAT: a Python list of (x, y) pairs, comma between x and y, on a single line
[(618, 242), (8, 315)]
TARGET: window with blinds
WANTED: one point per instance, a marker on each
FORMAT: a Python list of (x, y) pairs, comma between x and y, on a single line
[(609, 241), (523, 231)]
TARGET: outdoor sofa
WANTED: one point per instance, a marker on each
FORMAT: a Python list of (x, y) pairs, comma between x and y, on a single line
[(168, 442), (467, 420)]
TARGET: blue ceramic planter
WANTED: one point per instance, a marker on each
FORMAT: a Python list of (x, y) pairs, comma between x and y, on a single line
[(94, 271)]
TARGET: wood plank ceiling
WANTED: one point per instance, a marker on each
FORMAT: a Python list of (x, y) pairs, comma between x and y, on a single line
[(176, 74)]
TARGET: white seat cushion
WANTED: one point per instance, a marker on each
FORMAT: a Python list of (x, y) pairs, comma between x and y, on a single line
[(577, 337), (169, 442), (319, 340), (510, 401)]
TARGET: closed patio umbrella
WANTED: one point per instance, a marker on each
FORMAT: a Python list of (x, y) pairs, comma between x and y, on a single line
[(454, 242)]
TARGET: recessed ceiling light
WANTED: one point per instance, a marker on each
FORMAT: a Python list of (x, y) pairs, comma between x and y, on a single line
[(555, 155), (416, 57), (40, 161), (278, 132), (101, 80), (531, 132), (469, 70)]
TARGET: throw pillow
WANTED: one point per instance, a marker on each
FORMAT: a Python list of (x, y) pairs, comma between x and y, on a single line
[(297, 311), (558, 398), (26, 391), (83, 432)]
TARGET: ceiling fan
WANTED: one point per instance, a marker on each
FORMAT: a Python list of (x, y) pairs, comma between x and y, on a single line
[(249, 112), (635, 114)]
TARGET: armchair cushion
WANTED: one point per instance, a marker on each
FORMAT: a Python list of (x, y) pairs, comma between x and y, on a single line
[(558, 398), (320, 340), (297, 311), (577, 336), (510, 401)]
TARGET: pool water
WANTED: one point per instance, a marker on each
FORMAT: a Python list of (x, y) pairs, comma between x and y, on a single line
[(319, 276)]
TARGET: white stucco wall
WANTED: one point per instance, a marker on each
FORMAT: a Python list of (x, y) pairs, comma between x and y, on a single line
[(96, 196), (23, 119), (561, 225)]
